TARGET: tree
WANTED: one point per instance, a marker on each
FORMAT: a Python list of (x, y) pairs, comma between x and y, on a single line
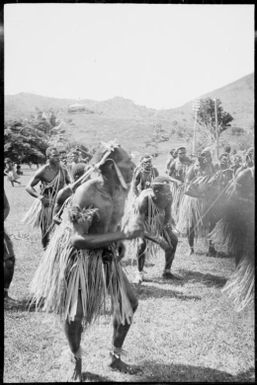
[(212, 116), (206, 116), (24, 142)]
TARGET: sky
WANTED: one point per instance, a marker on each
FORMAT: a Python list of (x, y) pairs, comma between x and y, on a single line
[(158, 55)]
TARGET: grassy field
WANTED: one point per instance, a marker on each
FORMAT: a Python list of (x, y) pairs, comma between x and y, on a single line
[(182, 332)]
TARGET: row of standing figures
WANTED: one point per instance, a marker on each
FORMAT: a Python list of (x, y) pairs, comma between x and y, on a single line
[(85, 221)]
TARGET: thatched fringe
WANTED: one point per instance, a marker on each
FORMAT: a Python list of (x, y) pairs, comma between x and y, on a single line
[(177, 195), (42, 216), (39, 216), (65, 273), (234, 235), (222, 238), (152, 224), (191, 216), (240, 286)]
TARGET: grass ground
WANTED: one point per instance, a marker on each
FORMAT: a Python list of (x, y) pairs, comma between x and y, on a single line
[(182, 332)]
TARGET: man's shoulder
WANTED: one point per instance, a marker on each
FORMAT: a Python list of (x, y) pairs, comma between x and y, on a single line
[(91, 186), (42, 171)]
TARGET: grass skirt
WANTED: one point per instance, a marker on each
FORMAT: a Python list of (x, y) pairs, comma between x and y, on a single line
[(64, 273), (234, 235), (39, 216), (177, 195), (191, 216), (151, 225)]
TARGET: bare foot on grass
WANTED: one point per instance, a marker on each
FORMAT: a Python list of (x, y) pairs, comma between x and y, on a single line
[(118, 365)]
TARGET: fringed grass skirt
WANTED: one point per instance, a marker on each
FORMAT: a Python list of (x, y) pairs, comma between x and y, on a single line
[(66, 275), (234, 235), (151, 225), (191, 216), (177, 195), (240, 286), (39, 216)]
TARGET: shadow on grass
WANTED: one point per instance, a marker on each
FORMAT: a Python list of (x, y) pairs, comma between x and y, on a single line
[(146, 291), (19, 305), (208, 280), (188, 373), (92, 377), (133, 262)]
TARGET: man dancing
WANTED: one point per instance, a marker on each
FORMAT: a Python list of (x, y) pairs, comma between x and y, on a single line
[(143, 175), (81, 263), (191, 220), (52, 177), (153, 206), (177, 171)]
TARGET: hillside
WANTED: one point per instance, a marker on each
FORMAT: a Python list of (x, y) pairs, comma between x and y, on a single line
[(138, 128)]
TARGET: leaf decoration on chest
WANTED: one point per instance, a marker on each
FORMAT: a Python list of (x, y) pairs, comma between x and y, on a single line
[(84, 216)]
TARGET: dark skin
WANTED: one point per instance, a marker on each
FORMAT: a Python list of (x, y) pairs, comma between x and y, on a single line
[(173, 172), (108, 196), (203, 166), (46, 174), (142, 180), (162, 198)]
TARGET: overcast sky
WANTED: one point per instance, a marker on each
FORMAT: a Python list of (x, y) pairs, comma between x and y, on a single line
[(160, 56)]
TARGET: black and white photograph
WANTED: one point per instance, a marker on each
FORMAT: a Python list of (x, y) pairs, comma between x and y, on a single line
[(129, 192)]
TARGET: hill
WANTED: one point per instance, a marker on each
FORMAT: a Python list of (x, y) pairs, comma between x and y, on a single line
[(138, 128)]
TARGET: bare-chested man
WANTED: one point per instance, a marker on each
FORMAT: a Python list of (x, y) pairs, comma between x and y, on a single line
[(190, 221), (86, 249), (154, 208), (77, 171), (177, 170), (143, 175), (52, 177)]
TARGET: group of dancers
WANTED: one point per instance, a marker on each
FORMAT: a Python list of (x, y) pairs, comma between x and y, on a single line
[(87, 213)]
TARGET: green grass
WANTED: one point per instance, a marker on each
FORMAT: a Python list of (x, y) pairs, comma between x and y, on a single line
[(186, 331)]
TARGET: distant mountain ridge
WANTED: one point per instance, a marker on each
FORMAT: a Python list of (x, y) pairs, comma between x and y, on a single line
[(135, 126)]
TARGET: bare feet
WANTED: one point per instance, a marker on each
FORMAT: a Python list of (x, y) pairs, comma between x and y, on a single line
[(118, 365), (77, 374), (169, 275)]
